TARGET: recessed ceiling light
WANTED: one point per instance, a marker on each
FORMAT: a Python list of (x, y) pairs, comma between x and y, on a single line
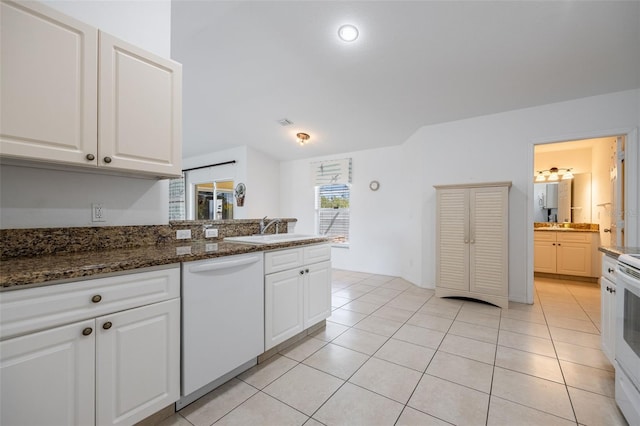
[(348, 33)]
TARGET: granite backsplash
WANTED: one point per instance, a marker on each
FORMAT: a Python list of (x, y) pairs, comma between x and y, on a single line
[(45, 241)]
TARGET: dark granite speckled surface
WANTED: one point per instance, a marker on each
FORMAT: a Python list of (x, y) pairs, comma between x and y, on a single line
[(42, 256), (22, 272)]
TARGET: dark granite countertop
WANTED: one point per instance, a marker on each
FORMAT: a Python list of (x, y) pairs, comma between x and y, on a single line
[(22, 272), (616, 251)]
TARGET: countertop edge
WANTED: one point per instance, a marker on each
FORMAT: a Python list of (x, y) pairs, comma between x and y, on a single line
[(89, 264)]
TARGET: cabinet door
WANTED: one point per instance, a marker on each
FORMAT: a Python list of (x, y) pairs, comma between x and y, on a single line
[(608, 317), (544, 257), (138, 362), (48, 88), (47, 378), (140, 110), (283, 306), (452, 241), (488, 240), (574, 259), (317, 293)]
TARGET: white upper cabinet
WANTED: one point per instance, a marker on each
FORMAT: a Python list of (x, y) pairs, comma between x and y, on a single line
[(140, 109), (73, 95), (49, 86)]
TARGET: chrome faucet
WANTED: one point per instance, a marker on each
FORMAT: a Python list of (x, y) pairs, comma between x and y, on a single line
[(264, 227)]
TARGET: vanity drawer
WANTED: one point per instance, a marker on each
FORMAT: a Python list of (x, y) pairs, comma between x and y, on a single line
[(544, 235), (573, 237)]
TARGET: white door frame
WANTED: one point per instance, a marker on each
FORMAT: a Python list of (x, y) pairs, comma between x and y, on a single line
[(631, 196)]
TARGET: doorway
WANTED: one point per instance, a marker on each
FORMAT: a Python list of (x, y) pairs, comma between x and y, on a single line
[(625, 185)]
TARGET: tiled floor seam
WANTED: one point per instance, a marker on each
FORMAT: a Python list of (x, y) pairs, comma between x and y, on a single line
[(493, 371), (564, 379)]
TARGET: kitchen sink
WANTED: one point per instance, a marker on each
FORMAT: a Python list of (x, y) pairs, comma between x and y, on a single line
[(271, 238)]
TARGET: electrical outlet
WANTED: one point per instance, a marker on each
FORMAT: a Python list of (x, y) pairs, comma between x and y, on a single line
[(98, 212), (183, 234), (211, 233)]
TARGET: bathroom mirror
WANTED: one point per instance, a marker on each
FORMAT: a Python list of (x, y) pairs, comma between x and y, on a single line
[(562, 201)]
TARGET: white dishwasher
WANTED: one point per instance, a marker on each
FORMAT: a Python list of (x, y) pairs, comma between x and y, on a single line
[(222, 321)]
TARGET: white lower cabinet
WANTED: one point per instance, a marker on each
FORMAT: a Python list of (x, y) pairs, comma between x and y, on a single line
[(137, 362), (565, 253), (608, 307), (299, 297), (78, 368), (47, 378)]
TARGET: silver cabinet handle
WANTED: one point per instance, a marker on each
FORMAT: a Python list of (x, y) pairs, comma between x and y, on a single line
[(107, 160), (91, 157)]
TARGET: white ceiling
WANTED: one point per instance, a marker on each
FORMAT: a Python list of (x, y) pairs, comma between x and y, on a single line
[(250, 63)]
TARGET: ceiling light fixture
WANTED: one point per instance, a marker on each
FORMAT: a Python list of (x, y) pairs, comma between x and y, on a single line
[(348, 33), (302, 138), (553, 175)]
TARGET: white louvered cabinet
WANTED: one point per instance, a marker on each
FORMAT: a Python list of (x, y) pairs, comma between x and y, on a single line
[(472, 223)]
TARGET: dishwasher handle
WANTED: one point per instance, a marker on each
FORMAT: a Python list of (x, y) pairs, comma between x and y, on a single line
[(216, 266)]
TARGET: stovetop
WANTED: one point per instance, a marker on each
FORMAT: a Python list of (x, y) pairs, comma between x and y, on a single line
[(632, 260)]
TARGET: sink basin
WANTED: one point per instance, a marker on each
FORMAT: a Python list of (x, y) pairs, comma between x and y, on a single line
[(271, 238)]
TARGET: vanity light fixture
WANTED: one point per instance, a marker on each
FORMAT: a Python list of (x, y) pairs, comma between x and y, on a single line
[(303, 138), (553, 175), (348, 33)]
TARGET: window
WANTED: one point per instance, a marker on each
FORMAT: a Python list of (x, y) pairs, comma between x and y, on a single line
[(332, 211)]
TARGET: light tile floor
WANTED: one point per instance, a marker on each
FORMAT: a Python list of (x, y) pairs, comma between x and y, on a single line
[(394, 354)]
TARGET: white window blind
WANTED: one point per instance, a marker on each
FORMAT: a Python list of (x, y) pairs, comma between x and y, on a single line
[(331, 172)]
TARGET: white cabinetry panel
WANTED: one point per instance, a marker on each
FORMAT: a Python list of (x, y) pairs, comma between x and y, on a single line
[(47, 378), (298, 297), (317, 293), (58, 108), (128, 344), (48, 90), (140, 111), (472, 224), (453, 270), (284, 298)]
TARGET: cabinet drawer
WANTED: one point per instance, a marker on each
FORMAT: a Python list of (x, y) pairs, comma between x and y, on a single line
[(315, 254), (609, 268), (544, 236), (573, 237), (281, 260), (29, 310)]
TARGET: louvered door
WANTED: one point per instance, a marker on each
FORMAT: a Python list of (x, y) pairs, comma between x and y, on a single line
[(451, 239), (472, 242), (488, 240)]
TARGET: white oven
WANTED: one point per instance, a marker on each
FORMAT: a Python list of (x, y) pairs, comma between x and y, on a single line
[(628, 337)]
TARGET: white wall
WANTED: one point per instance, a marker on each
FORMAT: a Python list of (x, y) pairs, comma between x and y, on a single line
[(259, 172), (500, 147), (34, 198), (401, 240), (43, 198), (145, 23), (378, 219)]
